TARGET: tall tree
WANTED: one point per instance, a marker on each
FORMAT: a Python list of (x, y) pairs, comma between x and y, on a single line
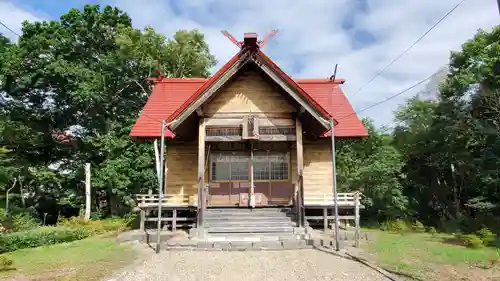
[(76, 85), (451, 146)]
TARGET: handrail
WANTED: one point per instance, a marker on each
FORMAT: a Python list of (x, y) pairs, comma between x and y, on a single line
[(319, 198)]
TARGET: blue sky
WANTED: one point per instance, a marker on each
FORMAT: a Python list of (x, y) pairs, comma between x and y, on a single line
[(362, 36)]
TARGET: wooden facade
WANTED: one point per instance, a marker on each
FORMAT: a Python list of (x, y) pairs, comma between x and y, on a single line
[(249, 136), (273, 161)]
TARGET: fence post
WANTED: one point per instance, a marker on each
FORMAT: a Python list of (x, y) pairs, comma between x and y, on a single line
[(356, 218)]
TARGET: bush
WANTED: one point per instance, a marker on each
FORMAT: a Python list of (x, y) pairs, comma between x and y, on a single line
[(24, 221), (486, 236), (418, 227), (432, 230), (45, 235), (5, 262), (398, 226), (470, 241), (96, 226)]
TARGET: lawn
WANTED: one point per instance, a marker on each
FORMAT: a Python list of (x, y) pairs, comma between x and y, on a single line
[(84, 260), (421, 256)]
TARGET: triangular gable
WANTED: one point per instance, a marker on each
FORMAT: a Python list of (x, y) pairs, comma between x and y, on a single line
[(169, 94), (230, 69)]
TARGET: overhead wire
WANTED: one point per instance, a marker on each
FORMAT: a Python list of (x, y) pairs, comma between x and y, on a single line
[(9, 29), (410, 47), (392, 96)]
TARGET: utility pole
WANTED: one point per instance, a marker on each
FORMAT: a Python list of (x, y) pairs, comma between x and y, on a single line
[(334, 167), (498, 4), (160, 181)]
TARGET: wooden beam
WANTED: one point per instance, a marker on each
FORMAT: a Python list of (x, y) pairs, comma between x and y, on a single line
[(299, 192), (252, 187), (277, 138), (223, 138), (239, 115), (330, 217), (237, 121), (199, 112), (201, 171)]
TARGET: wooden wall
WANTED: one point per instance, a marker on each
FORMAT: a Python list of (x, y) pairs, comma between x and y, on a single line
[(249, 92), (182, 174), (183, 168), (318, 166)]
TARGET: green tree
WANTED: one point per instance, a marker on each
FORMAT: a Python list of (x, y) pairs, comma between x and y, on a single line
[(451, 146), (75, 87), (373, 166)]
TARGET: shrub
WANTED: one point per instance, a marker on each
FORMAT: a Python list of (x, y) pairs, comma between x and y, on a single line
[(432, 230), (398, 226), (418, 227), (486, 236), (5, 262), (45, 235), (24, 221), (96, 226), (470, 241)]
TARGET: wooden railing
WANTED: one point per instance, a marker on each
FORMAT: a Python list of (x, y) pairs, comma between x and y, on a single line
[(152, 200), (326, 199)]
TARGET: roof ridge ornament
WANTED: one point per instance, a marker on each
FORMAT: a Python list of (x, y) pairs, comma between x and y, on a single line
[(250, 39)]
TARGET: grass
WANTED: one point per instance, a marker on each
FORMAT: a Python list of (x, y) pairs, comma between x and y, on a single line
[(86, 260), (428, 257)]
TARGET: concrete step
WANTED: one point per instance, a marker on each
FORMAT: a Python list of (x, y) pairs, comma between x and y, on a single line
[(252, 223), (250, 229), (250, 237), (249, 210), (247, 218), (241, 214)]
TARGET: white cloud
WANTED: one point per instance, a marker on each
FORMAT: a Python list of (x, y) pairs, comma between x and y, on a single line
[(13, 17), (313, 36)]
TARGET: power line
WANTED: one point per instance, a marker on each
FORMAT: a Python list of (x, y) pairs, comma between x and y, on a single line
[(9, 29), (393, 96), (410, 47)]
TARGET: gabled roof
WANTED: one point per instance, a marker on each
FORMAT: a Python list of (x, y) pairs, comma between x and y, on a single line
[(231, 68), (174, 100), (171, 93)]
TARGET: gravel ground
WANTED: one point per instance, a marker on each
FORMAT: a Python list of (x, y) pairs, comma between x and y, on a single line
[(288, 265)]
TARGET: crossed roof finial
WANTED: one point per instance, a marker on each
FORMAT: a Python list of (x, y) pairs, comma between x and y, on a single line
[(250, 37)]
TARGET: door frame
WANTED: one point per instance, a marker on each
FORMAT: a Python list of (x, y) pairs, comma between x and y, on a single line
[(231, 200)]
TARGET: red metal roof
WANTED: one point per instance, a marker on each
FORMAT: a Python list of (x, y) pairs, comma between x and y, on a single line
[(171, 96)]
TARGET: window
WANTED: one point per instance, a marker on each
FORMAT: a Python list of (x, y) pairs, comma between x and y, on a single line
[(229, 166), (223, 131), (277, 131), (270, 166), (226, 166)]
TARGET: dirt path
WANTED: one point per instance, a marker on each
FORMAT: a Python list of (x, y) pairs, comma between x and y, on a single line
[(245, 266)]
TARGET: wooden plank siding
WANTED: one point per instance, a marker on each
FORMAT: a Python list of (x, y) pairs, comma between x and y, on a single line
[(183, 163), (249, 92), (182, 171), (317, 166)]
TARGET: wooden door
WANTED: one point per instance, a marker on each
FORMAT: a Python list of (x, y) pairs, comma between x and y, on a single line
[(272, 178), (228, 177)]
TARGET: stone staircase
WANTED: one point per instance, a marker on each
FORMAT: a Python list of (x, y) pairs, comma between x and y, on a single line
[(258, 224)]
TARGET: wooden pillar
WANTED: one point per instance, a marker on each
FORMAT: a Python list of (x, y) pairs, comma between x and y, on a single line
[(356, 218), (325, 219), (201, 172), (174, 220), (251, 195), (143, 219), (299, 192)]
